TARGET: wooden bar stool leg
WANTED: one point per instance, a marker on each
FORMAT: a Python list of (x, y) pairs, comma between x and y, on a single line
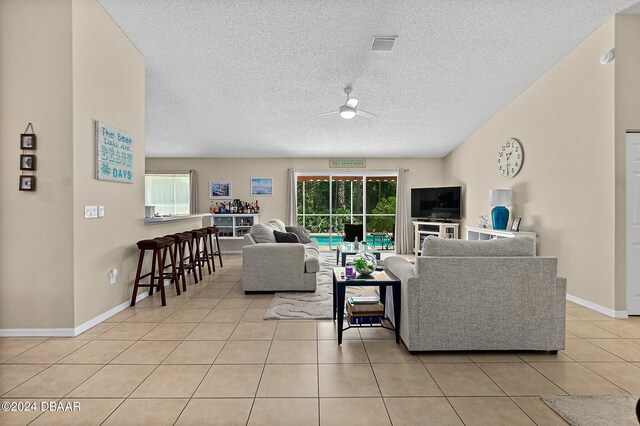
[(206, 253), (156, 253), (196, 242), (174, 275), (160, 280), (178, 253), (137, 281), (192, 262), (211, 251), (218, 250)]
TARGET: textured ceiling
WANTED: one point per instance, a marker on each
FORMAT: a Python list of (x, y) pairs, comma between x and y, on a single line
[(244, 78)]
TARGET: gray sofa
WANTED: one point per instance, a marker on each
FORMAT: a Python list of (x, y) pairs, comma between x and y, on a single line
[(480, 295), (271, 266)]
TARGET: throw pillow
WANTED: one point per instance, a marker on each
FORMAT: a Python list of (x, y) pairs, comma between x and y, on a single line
[(263, 233), (286, 237), (277, 224), (303, 234)]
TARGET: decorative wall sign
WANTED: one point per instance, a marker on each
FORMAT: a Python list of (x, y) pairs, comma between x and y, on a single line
[(261, 187), (114, 154), (348, 164), (27, 162), (220, 190), (27, 183)]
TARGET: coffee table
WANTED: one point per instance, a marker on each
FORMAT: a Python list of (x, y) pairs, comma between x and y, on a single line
[(380, 279), (347, 249)]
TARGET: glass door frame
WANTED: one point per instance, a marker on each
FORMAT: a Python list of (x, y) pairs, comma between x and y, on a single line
[(330, 173)]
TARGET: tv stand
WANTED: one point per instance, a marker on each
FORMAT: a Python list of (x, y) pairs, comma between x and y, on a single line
[(422, 229)]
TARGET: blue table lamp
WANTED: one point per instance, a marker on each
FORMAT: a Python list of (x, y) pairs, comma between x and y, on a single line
[(500, 198)]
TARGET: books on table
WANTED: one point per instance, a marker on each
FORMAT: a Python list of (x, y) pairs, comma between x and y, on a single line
[(358, 300)]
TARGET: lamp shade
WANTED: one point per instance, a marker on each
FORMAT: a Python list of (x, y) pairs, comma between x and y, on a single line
[(500, 197)]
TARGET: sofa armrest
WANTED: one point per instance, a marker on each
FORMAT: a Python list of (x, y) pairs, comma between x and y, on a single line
[(561, 308), (276, 255), (248, 240), (400, 267)]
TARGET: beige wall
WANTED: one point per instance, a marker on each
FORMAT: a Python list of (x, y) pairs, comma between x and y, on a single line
[(627, 118), (36, 228), (423, 171), (64, 64), (564, 191)]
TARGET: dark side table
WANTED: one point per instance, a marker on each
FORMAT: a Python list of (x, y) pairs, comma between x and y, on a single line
[(378, 279)]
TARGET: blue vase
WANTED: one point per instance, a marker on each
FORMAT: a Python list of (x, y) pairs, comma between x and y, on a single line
[(500, 217)]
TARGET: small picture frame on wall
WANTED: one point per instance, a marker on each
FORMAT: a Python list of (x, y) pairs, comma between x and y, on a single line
[(261, 187), (220, 190), (27, 162), (27, 183), (28, 141), (515, 225)]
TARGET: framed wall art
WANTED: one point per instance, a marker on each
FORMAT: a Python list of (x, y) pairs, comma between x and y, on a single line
[(220, 190), (261, 187)]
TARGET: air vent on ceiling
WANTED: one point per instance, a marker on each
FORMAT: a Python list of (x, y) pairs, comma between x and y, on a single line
[(383, 44)]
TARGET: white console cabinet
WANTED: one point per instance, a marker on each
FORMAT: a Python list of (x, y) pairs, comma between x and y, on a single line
[(422, 230), (474, 233)]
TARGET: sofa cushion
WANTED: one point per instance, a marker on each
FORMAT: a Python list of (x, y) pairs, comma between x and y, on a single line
[(286, 237), (442, 247), (303, 234), (278, 225), (263, 233)]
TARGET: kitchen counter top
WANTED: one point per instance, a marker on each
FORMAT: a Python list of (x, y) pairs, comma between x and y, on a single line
[(164, 219)]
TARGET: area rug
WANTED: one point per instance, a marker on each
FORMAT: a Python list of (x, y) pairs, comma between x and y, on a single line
[(595, 410), (318, 305)]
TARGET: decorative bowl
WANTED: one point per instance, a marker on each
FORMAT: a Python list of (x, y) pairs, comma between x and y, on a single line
[(365, 262)]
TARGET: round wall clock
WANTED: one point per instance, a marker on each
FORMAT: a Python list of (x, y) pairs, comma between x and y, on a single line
[(510, 157)]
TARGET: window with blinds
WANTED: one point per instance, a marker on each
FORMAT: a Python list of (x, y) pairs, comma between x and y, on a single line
[(170, 193)]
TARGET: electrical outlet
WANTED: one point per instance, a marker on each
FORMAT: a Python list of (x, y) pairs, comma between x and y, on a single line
[(113, 275), (100, 211)]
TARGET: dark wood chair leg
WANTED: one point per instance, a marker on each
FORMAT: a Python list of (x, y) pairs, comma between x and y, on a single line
[(174, 274), (218, 251), (206, 254), (211, 251), (137, 281), (156, 253), (160, 281), (192, 262), (178, 253), (198, 260)]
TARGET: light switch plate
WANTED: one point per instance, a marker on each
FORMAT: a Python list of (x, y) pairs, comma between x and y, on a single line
[(100, 211), (90, 212)]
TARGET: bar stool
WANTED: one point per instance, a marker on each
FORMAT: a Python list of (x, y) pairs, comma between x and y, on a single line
[(199, 236), (191, 265), (157, 245), (178, 254), (211, 231), (172, 243)]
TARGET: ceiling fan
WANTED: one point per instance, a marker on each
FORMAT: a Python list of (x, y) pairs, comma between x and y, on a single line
[(349, 110)]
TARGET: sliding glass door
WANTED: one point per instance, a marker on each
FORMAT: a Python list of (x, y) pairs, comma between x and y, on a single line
[(326, 202)]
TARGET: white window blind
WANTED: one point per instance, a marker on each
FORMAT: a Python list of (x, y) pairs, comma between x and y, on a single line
[(170, 193)]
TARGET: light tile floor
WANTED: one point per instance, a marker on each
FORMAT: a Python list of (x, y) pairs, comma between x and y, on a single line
[(209, 358)]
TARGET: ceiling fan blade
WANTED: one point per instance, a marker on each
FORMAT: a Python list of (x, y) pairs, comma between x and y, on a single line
[(326, 113), (351, 103), (365, 114)]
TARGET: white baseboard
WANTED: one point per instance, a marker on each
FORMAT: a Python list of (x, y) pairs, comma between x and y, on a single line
[(598, 308), (68, 332)]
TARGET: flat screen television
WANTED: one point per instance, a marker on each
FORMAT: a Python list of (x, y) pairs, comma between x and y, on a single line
[(436, 203)]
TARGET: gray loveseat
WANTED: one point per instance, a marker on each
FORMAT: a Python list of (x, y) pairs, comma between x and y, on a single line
[(271, 266), (480, 295)]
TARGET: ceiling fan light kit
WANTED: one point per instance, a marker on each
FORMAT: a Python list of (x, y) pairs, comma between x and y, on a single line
[(348, 110)]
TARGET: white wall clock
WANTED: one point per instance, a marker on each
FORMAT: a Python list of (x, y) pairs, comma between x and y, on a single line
[(510, 157)]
